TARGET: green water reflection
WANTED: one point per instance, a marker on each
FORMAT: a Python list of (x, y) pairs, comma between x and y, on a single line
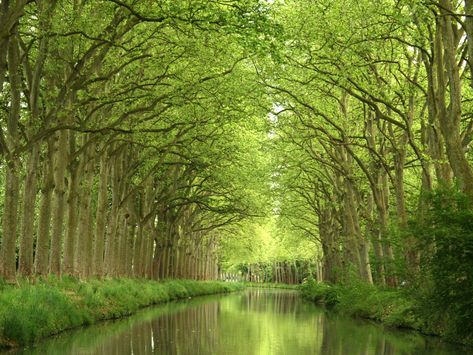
[(254, 322)]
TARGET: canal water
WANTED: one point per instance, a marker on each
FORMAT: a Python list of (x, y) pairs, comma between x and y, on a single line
[(252, 322)]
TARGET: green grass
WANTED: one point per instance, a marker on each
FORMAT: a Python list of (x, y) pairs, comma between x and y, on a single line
[(29, 312), (395, 308), (399, 308)]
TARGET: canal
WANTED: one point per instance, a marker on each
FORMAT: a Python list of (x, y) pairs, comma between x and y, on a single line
[(252, 322)]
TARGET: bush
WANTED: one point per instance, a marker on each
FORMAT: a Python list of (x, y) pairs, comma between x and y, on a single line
[(392, 307), (321, 293), (447, 277)]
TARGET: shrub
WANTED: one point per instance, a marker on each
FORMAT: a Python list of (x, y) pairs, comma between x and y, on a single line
[(447, 278), (393, 307), (321, 293)]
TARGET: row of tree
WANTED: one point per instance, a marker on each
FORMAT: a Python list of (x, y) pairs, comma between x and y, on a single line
[(373, 112), (135, 134), (129, 134), (286, 272)]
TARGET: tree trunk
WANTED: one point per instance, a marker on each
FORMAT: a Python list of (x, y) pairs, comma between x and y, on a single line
[(122, 245), (382, 204), (131, 230), (101, 218), (72, 212), (352, 236), (136, 255), (450, 116), (58, 203), (149, 255), (84, 238), (12, 184), (31, 187), (110, 262), (42, 242), (8, 262)]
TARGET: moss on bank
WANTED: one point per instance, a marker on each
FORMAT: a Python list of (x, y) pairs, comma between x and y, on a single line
[(29, 312)]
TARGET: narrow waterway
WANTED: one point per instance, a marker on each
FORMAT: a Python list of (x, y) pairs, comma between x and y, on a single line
[(256, 321)]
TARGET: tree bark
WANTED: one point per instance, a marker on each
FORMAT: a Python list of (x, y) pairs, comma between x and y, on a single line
[(450, 116), (72, 211), (58, 204), (12, 184), (84, 238), (101, 218), (137, 271), (110, 261), (42, 242), (31, 187)]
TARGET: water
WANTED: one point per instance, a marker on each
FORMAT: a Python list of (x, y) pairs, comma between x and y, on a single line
[(253, 322)]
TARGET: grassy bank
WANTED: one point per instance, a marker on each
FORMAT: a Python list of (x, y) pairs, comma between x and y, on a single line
[(398, 308), (29, 312), (391, 307)]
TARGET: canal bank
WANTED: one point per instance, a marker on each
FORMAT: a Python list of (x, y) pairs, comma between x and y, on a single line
[(252, 322), (395, 308), (32, 311)]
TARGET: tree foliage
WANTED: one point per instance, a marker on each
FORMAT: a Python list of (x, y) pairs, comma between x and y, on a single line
[(177, 139)]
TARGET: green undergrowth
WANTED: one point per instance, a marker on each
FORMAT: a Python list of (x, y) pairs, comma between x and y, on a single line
[(395, 308), (271, 285), (29, 312), (399, 308)]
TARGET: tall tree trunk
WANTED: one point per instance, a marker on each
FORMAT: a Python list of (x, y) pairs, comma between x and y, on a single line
[(131, 229), (450, 116), (469, 34), (12, 184), (136, 255), (101, 218), (122, 245), (376, 236), (156, 261), (149, 254), (382, 205), (33, 81), (31, 187), (8, 262), (42, 242), (350, 226), (58, 205), (84, 238), (330, 246), (110, 261), (72, 211)]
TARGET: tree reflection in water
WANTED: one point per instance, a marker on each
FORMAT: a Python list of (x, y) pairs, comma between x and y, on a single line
[(257, 321)]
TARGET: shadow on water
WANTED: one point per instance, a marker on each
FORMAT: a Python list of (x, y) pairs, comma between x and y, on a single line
[(257, 321)]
